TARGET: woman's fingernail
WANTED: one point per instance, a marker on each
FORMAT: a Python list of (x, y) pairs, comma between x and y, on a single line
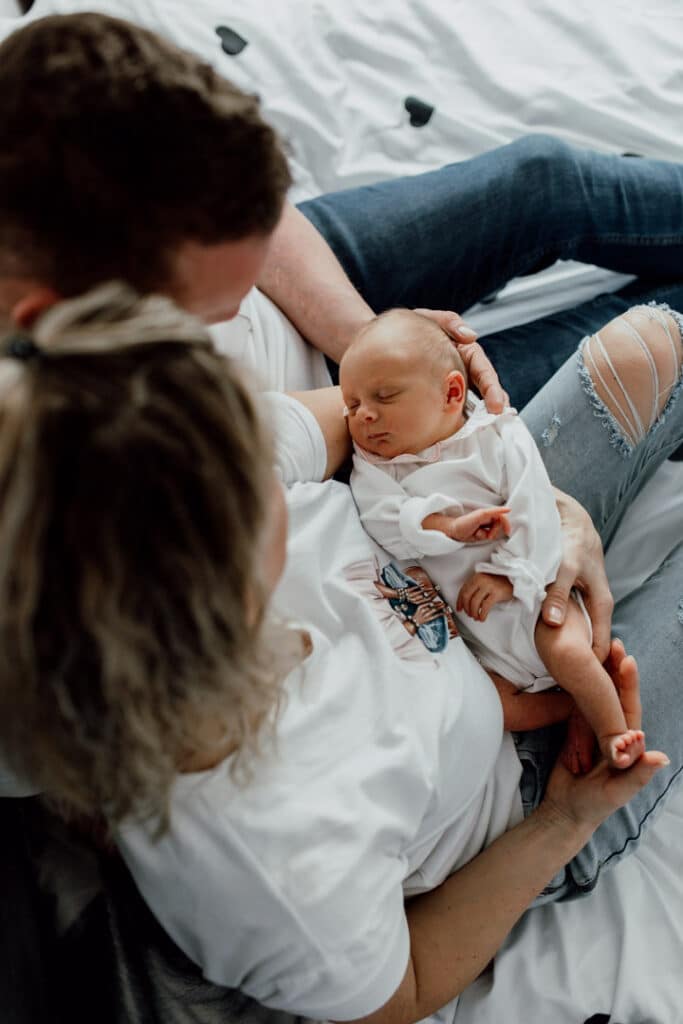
[(555, 614), (464, 332)]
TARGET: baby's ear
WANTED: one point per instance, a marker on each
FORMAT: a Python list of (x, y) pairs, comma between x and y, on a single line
[(456, 391)]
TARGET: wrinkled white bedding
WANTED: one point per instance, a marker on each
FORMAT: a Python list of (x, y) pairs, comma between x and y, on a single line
[(334, 77)]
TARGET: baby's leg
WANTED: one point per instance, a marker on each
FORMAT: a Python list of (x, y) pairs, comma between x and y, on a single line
[(567, 654)]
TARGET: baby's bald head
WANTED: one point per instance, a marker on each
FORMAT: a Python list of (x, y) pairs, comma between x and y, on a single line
[(405, 334), (404, 384)]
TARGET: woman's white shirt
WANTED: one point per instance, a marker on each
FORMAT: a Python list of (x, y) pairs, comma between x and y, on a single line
[(262, 338), (390, 770)]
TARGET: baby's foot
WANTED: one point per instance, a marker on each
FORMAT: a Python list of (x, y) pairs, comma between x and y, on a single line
[(623, 749), (579, 746)]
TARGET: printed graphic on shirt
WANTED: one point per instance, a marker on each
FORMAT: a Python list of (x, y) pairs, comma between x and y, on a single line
[(406, 597)]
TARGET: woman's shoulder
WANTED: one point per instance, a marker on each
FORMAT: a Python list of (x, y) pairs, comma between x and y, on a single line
[(263, 891)]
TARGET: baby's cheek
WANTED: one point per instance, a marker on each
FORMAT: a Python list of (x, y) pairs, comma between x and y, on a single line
[(353, 427)]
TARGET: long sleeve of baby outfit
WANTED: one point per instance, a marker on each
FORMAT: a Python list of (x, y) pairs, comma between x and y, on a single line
[(530, 556), (394, 518)]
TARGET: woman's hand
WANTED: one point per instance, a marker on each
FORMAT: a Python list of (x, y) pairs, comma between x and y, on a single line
[(583, 567), (586, 800), (480, 372)]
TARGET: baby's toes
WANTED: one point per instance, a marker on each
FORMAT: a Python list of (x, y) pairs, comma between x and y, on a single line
[(624, 749)]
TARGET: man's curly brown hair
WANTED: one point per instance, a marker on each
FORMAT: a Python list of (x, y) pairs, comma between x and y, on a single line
[(116, 147)]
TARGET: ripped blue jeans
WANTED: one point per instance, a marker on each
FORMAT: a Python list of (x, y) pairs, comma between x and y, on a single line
[(603, 460)]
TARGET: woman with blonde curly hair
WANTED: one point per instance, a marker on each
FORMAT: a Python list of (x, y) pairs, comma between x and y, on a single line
[(134, 489), (262, 748)]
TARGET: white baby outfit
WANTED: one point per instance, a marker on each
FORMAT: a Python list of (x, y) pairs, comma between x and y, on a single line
[(491, 461)]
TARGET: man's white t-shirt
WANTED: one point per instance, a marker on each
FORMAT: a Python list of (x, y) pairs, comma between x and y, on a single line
[(390, 770)]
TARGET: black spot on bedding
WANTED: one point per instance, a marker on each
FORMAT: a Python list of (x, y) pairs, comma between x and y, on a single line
[(420, 112), (231, 41)]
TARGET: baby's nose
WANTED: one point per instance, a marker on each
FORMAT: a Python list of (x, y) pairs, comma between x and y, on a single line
[(368, 413)]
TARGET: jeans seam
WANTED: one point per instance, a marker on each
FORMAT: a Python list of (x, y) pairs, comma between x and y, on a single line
[(568, 243)]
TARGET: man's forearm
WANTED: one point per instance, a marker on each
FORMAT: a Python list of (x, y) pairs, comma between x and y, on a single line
[(304, 278)]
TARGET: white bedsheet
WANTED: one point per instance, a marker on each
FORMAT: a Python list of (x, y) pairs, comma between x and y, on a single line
[(333, 76)]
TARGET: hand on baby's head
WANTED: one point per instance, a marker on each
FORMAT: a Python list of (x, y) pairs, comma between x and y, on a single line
[(403, 384)]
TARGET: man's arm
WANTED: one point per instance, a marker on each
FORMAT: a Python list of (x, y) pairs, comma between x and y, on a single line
[(305, 279)]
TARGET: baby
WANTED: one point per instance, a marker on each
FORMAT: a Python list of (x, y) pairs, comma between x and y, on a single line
[(437, 477)]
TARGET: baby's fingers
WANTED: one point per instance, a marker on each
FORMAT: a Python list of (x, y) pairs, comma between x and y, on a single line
[(467, 592), (487, 603)]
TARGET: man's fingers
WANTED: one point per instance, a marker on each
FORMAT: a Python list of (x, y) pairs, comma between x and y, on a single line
[(483, 376), (450, 322), (554, 607), (600, 605), (480, 371)]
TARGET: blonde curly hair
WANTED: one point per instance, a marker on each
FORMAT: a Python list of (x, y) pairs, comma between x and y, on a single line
[(135, 477)]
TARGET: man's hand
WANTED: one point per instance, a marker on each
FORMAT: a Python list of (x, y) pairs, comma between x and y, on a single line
[(481, 374), (583, 567), (481, 592)]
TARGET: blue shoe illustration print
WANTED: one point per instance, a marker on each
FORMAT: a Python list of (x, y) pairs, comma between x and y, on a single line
[(434, 634)]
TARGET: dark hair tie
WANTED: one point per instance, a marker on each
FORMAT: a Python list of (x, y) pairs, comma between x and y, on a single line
[(21, 346)]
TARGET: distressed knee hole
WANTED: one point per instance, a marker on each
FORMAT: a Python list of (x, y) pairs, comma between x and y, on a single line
[(633, 365)]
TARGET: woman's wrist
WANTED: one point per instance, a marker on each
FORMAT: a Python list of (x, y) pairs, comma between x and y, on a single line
[(567, 830)]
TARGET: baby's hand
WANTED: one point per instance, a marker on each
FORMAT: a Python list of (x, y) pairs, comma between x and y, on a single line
[(482, 524), (481, 592)]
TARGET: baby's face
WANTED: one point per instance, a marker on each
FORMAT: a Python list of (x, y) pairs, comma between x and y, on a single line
[(395, 404)]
